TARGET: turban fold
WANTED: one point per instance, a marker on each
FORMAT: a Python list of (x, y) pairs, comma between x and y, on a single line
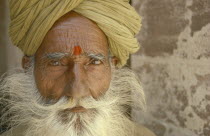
[(32, 19)]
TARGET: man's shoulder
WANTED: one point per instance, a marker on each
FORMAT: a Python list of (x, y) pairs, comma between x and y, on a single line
[(140, 130), (17, 131)]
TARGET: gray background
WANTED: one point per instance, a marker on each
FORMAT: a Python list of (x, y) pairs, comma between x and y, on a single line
[(173, 64), (10, 56)]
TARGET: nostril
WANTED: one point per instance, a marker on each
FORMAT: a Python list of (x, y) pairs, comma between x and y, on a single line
[(80, 90), (77, 89)]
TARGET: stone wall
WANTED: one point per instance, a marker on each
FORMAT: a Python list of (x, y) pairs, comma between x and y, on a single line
[(174, 66)]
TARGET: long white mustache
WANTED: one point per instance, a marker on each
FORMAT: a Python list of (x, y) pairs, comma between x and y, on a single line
[(26, 107)]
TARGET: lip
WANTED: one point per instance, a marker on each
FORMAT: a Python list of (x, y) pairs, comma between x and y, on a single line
[(78, 109)]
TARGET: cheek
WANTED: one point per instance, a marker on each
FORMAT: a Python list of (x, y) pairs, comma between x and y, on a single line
[(99, 80), (48, 85)]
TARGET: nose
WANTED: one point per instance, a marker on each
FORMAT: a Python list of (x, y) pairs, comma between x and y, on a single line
[(79, 85)]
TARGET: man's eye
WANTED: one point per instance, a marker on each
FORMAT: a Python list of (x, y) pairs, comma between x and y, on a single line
[(55, 63), (95, 62)]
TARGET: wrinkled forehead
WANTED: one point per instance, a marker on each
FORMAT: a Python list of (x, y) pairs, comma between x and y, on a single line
[(74, 30), (75, 19)]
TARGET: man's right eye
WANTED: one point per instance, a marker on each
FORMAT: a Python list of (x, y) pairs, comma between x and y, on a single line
[(54, 63)]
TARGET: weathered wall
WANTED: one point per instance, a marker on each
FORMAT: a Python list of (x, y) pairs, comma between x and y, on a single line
[(174, 66), (3, 41), (10, 56)]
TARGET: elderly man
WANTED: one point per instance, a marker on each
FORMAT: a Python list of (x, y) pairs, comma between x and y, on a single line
[(72, 83)]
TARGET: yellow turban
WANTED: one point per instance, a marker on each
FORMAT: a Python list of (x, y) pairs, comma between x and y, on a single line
[(32, 19)]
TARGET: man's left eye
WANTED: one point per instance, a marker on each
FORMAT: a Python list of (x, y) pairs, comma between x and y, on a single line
[(96, 62)]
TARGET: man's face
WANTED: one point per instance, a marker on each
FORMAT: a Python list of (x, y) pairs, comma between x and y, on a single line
[(73, 60), (72, 67)]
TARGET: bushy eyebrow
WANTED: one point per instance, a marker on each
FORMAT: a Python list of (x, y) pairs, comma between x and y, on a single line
[(55, 55), (96, 56), (60, 55)]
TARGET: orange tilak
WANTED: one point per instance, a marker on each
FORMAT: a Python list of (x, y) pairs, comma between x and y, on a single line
[(77, 50)]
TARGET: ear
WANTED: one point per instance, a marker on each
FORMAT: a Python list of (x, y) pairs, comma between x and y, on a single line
[(26, 62), (114, 61)]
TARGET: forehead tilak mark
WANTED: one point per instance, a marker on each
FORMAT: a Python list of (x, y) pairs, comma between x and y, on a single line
[(77, 50)]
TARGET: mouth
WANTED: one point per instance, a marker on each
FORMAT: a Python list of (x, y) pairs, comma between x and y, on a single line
[(64, 114), (76, 109)]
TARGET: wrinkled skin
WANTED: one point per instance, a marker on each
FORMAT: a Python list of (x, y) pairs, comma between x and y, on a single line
[(75, 74)]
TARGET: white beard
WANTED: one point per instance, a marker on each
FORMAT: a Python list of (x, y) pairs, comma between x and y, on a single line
[(108, 119)]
